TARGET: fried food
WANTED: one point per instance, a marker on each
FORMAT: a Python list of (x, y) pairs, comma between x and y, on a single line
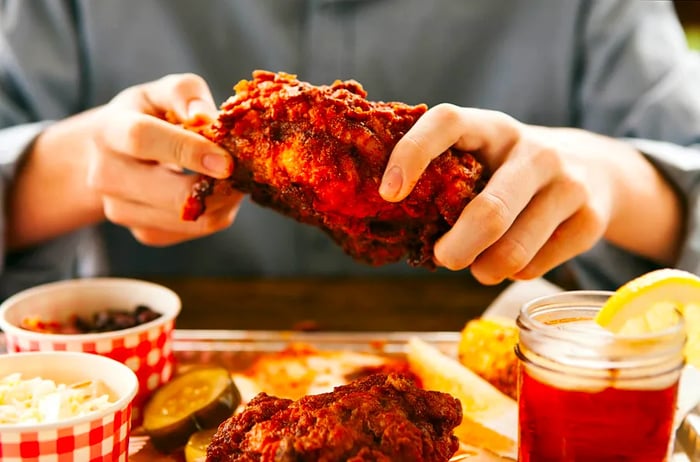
[(377, 418), (318, 153), (487, 347)]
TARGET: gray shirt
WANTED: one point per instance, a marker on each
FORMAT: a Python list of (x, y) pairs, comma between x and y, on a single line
[(619, 68)]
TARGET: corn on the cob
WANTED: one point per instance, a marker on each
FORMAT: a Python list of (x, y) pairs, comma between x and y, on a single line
[(487, 348)]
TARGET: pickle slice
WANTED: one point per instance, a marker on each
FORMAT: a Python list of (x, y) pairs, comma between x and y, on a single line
[(196, 447), (198, 399)]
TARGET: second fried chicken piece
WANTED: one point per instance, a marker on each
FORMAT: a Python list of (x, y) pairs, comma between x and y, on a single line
[(381, 418), (318, 153)]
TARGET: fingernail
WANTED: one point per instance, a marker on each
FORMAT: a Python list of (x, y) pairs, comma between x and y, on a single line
[(198, 107), (391, 183), (217, 164)]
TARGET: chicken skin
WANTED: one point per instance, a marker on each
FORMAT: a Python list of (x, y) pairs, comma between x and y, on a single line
[(318, 153)]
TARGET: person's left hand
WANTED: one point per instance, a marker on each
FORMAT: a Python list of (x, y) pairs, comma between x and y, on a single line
[(552, 194)]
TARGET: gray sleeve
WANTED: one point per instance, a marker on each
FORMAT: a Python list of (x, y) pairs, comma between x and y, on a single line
[(40, 73), (639, 82)]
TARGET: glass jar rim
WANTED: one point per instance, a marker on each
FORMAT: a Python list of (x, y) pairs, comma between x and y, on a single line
[(585, 299)]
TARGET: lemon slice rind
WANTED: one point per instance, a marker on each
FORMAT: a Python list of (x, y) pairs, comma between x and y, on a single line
[(634, 299)]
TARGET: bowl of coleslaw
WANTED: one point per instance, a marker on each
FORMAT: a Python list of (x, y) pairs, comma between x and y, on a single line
[(64, 406), (44, 318)]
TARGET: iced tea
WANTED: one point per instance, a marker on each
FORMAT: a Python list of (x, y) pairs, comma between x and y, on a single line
[(585, 394), (610, 424)]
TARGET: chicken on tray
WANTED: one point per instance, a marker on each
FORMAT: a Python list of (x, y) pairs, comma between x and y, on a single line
[(318, 153), (375, 419)]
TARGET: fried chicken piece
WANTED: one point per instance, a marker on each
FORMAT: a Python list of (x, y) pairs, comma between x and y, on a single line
[(378, 418), (318, 153)]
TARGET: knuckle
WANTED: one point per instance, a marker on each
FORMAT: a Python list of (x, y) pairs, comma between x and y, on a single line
[(185, 83), (511, 255), (513, 128), (591, 222), (181, 151), (135, 131), (446, 113), (548, 158), (495, 214), (127, 96), (570, 186)]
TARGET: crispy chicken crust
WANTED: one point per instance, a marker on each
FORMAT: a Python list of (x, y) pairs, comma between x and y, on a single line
[(378, 418), (318, 153)]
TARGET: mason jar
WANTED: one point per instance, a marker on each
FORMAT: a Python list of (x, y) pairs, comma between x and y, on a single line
[(586, 394)]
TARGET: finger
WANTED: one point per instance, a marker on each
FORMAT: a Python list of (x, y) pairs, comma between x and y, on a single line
[(494, 210), (149, 138), (136, 215), (157, 185), (531, 230), (440, 128), (158, 238), (186, 95), (573, 237)]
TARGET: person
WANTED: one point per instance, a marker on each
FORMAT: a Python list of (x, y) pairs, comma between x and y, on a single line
[(587, 114)]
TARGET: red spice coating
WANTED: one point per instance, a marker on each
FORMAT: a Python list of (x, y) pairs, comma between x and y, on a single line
[(318, 153), (378, 418)]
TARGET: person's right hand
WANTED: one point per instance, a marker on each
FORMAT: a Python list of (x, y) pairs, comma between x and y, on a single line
[(137, 162), (123, 162)]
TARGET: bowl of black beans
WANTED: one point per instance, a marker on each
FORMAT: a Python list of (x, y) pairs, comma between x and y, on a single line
[(129, 320)]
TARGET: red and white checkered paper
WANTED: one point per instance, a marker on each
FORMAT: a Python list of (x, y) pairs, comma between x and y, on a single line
[(105, 439), (148, 353)]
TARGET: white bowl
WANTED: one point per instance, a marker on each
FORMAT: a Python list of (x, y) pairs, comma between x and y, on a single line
[(99, 434)]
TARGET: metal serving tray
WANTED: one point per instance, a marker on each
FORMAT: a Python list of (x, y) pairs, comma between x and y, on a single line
[(238, 349)]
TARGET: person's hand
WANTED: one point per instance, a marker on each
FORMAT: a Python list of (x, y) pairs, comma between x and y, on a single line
[(137, 161), (552, 194), (123, 162)]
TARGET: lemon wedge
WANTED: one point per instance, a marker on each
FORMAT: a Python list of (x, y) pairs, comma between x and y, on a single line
[(691, 314), (651, 303)]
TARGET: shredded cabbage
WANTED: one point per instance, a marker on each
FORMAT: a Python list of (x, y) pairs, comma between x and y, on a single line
[(37, 400)]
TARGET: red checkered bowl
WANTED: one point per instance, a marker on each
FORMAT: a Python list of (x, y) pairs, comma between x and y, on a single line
[(99, 436), (146, 349)]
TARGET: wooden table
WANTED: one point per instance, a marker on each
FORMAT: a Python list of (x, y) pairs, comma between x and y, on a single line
[(432, 303)]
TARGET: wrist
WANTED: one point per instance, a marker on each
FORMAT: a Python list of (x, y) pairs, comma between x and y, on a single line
[(49, 195), (647, 214)]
